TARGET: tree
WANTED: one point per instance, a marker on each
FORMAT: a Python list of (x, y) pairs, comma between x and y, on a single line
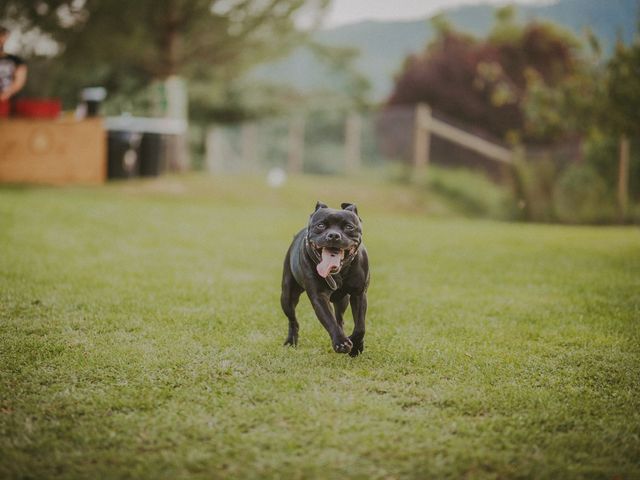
[(624, 108), (124, 45), (622, 88), (484, 82), (575, 106)]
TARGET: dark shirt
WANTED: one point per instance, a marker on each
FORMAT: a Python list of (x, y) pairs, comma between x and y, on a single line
[(8, 66)]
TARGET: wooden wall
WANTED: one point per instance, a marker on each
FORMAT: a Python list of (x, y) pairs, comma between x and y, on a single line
[(55, 152)]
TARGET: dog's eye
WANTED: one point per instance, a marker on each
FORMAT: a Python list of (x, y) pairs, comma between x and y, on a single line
[(321, 226), (349, 227)]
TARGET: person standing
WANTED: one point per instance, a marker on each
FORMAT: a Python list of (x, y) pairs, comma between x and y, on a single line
[(13, 74)]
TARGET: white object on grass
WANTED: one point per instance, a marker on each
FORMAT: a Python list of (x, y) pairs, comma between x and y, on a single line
[(276, 177)]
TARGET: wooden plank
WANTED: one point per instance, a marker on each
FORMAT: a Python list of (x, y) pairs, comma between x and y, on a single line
[(53, 152), (470, 141)]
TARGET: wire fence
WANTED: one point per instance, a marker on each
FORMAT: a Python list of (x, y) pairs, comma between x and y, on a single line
[(338, 142)]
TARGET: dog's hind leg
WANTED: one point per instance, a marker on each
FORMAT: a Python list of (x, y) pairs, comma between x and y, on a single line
[(291, 292), (288, 301)]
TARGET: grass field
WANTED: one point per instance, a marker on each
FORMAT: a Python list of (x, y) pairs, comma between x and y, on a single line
[(141, 337)]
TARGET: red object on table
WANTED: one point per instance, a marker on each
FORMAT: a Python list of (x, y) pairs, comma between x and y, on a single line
[(5, 108), (38, 107)]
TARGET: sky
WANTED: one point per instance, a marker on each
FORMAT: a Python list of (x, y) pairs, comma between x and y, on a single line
[(349, 11)]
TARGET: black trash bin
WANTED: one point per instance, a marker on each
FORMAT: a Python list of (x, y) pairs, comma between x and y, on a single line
[(148, 138), (123, 154), (152, 154)]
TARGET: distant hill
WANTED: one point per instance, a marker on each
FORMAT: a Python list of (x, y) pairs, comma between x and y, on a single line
[(383, 46)]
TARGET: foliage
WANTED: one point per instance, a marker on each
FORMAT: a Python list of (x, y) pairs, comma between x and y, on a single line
[(547, 191), (354, 85), (581, 196), (593, 97), (126, 45), (623, 91), (485, 82), (383, 45), (534, 183), (140, 340), (602, 151), (258, 96), (532, 84), (601, 104), (574, 107)]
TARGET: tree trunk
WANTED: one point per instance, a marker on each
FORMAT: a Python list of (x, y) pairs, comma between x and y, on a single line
[(174, 97), (175, 89)]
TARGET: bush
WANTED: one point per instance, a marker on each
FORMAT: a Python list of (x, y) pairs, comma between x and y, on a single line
[(576, 194), (602, 152), (534, 183), (582, 196)]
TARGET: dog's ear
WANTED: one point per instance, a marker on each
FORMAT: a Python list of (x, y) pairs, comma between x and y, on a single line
[(320, 205), (351, 207)]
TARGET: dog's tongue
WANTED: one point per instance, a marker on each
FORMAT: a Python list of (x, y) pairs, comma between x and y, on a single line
[(330, 262)]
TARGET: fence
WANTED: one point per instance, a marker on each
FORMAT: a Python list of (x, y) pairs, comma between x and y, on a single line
[(337, 142), (333, 142)]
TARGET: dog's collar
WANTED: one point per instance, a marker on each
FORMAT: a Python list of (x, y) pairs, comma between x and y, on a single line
[(316, 258)]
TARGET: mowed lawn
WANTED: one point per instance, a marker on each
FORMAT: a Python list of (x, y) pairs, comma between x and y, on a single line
[(141, 337)]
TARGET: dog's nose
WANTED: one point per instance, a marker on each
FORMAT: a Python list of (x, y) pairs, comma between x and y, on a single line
[(333, 236)]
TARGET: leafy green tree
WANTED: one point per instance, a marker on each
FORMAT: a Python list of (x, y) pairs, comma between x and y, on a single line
[(624, 108), (623, 88), (484, 82), (574, 107), (125, 45), (600, 102)]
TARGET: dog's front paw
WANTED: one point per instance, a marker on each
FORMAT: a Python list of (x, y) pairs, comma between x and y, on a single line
[(342, 345), (358, 347), (291, 341)]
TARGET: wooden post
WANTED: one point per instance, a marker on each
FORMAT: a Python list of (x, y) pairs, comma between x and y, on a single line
[(296, 144), (353, 143), (214, 159), (249, 135), (623, 178), (421, 137)]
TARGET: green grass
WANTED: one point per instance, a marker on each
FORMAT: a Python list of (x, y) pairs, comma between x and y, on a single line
[(141, 337), (471, 193)]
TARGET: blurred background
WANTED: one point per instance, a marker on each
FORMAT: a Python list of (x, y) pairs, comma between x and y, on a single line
[(521, 111)]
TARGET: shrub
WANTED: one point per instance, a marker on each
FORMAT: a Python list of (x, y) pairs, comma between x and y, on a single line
[(533, 185), (581, 196)]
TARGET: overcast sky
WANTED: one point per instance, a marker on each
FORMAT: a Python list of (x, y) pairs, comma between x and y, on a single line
[(349, 11)]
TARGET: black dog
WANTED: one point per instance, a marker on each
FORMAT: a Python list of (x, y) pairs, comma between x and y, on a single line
[(329, 261)]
